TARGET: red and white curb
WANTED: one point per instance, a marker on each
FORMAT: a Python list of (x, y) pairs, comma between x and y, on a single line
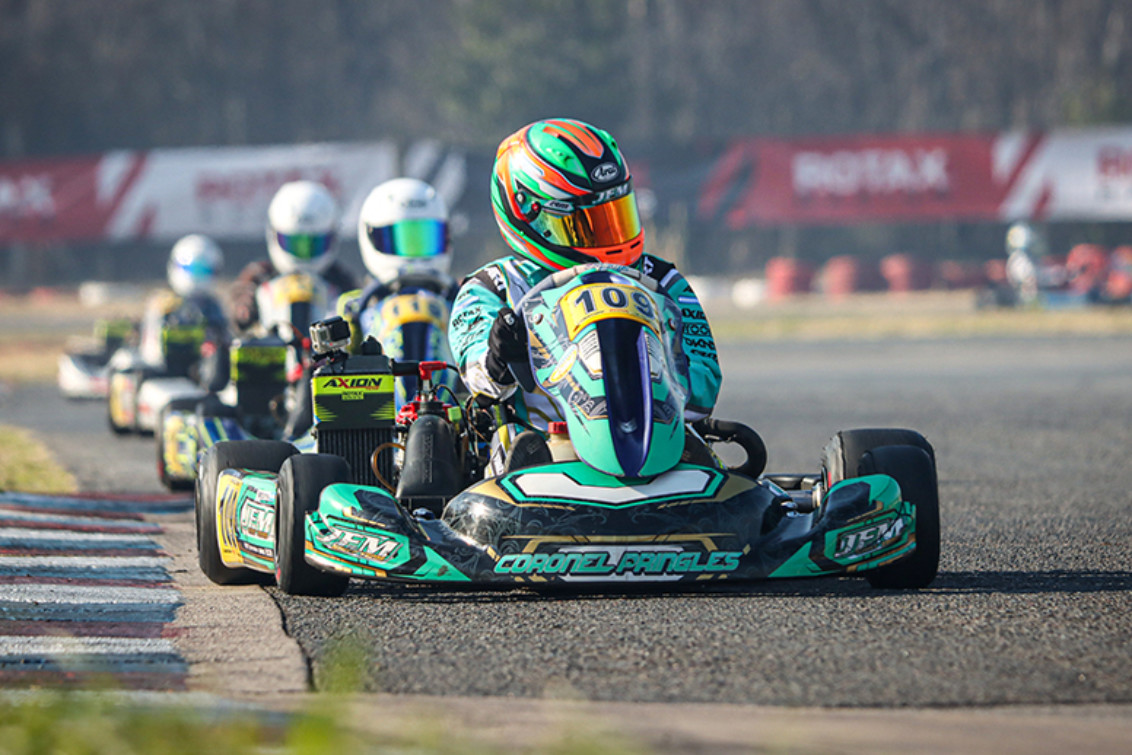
[(85, 594)]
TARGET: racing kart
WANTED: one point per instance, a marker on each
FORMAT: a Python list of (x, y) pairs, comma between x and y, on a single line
[(255, 386), (267, 397), (84, 368), (633, 495), (164, 366)]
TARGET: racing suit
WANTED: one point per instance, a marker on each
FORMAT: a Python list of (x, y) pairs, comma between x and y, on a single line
[(503, 283), (245, 311)]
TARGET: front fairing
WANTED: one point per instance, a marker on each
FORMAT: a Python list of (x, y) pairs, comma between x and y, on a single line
[(606, 350), (411, 327), (290, 303)]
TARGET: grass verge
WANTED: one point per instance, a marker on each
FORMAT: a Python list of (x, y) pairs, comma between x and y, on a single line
[(107, 723), (26, 465)]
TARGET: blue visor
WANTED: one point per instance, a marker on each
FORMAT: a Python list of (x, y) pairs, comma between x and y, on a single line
[(197, 268), (305, 246), (410, 238)]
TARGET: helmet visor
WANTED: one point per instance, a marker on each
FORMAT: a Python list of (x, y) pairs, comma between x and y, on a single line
[(305, 246), (197, 268), (410, 238), (606, 224)]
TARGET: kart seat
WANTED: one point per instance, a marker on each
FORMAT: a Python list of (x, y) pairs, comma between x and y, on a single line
[(529, 449)]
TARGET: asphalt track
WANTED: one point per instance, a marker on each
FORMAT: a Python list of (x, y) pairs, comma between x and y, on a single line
[(1032, 604)]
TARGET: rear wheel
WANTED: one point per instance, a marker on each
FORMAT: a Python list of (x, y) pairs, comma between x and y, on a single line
[(908, 458), (164, 441), (266, 456), (301, 481)]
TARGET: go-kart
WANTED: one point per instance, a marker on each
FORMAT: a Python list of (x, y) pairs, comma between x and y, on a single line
[(84, 368), (408, 321), (257, 388), (164, 367), (634, 495)]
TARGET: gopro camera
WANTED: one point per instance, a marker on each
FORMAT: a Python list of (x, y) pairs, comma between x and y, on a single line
[(329, 335)]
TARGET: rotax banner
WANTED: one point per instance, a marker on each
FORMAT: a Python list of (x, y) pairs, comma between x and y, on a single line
[(1061, 175)]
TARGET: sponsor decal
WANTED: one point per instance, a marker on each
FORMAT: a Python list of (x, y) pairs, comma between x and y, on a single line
[(604, 172), (595, 562), (864, 541), (258, 519), (615, 193), (373, 546), (697, 330), (693, 314), (358, 383), (557, 205)]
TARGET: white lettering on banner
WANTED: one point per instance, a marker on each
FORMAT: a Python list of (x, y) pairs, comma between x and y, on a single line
[(26, 196), (870, 171)]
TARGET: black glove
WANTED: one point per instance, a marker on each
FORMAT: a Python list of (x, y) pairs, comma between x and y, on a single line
[(507, 343)]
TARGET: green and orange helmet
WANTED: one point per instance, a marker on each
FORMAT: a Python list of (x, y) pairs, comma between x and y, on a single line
[(563, 196)]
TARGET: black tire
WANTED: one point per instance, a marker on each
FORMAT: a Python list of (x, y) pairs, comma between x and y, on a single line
[(907, 457), (244, 454), (301, 480), (914, 470), (176, 405), (841, 457)]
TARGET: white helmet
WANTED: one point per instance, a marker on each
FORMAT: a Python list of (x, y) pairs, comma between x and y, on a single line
[(1020, 235), (194, 263), (301, 223), (403, 229)]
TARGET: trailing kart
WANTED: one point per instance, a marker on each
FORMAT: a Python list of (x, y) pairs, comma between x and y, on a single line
[(633, 495), (84, 370), (267, 396), (164, 365)]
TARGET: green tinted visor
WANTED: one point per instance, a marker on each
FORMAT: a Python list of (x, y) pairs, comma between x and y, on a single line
[(410, 238)]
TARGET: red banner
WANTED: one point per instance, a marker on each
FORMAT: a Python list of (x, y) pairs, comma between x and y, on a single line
[(863, 178), (55, 199)]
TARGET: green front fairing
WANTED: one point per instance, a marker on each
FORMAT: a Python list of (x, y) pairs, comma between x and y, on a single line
[(340, 539), (581, 397), (882, 535)]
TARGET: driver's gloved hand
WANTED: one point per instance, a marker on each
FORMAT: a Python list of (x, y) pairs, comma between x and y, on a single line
[(507, 343)]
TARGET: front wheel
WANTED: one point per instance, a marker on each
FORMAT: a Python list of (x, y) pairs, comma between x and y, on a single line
[(265, 456), (907, 457), (301, 481)]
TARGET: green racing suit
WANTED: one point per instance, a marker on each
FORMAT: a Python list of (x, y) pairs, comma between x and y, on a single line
[(504, 282)]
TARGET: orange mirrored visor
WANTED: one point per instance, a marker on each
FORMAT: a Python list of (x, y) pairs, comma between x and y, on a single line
[(606, 224)]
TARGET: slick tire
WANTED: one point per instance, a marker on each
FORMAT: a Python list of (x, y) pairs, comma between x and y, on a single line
[(113, 407), (301, 481), (907, 457), (841, 457), (160, 437), (914, 471), (267, 456)]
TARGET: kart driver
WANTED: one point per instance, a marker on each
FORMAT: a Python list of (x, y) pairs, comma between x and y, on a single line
[(302, 221), (177, 321), (577, 170), (403, 236)]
